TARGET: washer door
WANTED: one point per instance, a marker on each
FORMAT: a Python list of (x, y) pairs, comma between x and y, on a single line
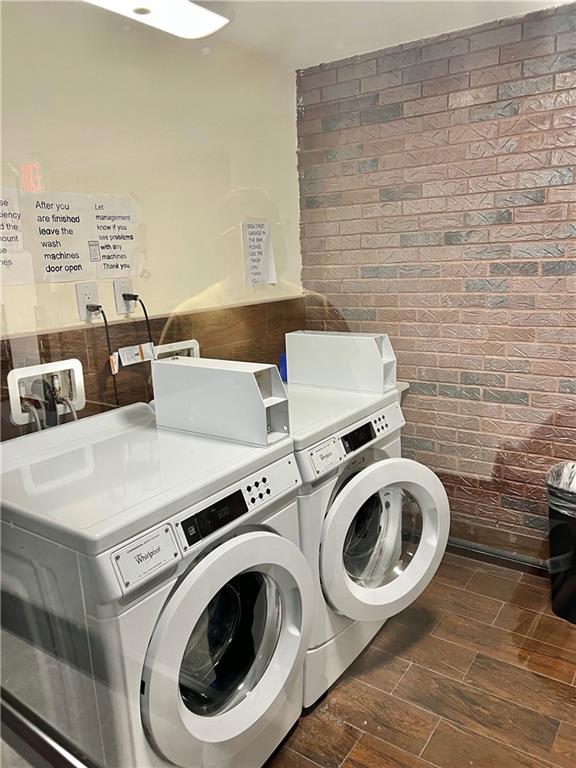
[(230, 639), (383, 538)]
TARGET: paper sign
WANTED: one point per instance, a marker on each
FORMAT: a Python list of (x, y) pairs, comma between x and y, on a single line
[(115, 244), (56, 229), (64, 237), (259, 264), (15, 262)]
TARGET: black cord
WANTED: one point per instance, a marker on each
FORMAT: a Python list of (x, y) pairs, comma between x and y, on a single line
[(135, 297), (147, 321), (98, 308)]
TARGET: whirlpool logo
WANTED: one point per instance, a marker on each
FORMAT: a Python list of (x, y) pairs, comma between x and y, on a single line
[(143, 557)]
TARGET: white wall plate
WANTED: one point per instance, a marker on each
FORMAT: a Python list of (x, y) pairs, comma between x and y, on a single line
[(71, 367)]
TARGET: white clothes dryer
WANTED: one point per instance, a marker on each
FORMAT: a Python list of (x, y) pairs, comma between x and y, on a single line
[(373, 525), (157, 608)]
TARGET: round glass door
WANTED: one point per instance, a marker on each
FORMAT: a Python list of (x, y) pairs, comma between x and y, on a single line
[(231, 645), (383, 538), (228, 644)]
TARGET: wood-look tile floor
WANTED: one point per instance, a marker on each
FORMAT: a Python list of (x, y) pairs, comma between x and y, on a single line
[(478, 673)]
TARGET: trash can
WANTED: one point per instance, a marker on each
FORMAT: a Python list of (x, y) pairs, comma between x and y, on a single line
[(561, 482)]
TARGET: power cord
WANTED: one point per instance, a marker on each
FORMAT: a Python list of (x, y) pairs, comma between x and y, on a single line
[(135, 297), (98, 308)]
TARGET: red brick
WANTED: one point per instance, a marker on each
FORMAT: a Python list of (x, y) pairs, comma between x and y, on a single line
[(320, 229), (523, 161), (382, 209), (327, 77), (498, 74), (311, 97), (472, 167), (445, 49), (475, 132), (474, 61), (549, 101), (360, 196), (343, 212), (357, 70), (527, 49), (556, 212), (474, 96), (360, 226), (567, 41), (565, 80), (559, 194), (380, 82), (426, 173), (496, 37), (424, 205), (515, 125), (425, 106), (560, 137), (440, 188), (446, 84), (308, 215), (565, 119), (341, 90), (374, 147), (402, 93)]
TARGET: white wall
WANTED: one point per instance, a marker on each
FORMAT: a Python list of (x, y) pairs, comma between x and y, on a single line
[(202, 133)]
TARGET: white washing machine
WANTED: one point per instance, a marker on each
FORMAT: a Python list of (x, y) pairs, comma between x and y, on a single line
[(157, 608), (373, 526)]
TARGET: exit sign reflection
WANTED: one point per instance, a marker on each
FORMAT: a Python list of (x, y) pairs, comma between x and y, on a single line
[(30, 177)]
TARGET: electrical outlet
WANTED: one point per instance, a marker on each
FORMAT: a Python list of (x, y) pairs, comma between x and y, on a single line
[(123, 285), (86, 293)]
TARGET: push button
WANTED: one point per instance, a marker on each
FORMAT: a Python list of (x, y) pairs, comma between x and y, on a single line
[(268, 491), (256, 484), (253, 500), (261, 495), (249, 488), (264, 479)]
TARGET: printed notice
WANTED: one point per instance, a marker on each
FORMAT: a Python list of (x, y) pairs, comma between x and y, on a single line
[(15, 262), (56, 227), (115, 245), (76, 237), (259, 264)]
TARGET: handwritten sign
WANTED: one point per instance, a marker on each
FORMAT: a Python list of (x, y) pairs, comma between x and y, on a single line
[(259, 267)]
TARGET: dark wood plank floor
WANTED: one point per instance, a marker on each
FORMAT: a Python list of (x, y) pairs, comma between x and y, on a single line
[(478, 673)]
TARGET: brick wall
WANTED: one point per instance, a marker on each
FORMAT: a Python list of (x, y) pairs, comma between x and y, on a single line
[(438, 204)]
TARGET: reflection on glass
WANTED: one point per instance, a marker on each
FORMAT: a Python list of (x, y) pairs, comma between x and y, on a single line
[(383, 538), (231, 645)]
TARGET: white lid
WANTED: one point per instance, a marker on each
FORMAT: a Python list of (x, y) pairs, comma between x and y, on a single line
[(94, 483), (317, 413)]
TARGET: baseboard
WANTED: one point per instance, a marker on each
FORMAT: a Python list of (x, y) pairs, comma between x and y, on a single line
[(496, 558)]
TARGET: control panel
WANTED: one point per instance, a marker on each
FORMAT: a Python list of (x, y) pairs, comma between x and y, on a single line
[(313, 462), (252, 493), (159, 549)]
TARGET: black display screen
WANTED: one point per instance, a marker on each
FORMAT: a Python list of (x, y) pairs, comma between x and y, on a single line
[(210, 519), (358, 437)]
